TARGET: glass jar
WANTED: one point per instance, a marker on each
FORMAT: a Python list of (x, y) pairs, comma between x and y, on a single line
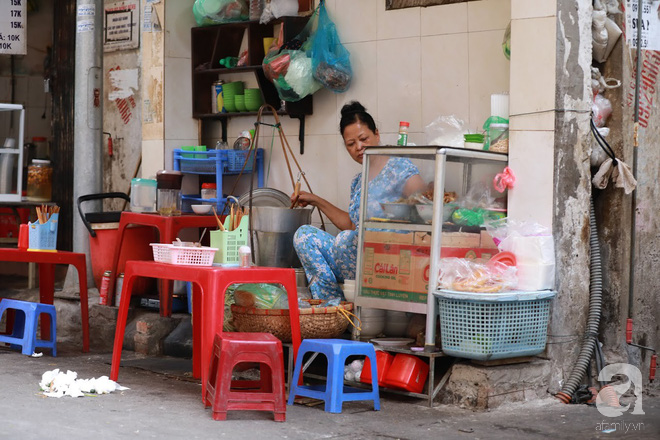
[(40, 181), (209, 191), (498, 138), (168, 184)]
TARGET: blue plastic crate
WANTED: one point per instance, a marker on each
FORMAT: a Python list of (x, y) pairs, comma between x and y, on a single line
[(236, 159), (493, 325)]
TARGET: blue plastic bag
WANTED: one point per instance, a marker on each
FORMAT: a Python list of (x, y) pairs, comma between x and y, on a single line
[(331, 61)]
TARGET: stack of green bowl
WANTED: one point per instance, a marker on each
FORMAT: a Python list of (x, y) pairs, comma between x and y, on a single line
[(239, 100), (229, 92), (253, 99), (474, 141)]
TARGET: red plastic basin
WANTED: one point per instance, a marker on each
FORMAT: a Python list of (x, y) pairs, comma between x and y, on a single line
[(383, 362), (408, 372)]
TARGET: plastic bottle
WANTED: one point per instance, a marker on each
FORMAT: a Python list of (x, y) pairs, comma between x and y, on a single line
[(403, 133), (229, 62)]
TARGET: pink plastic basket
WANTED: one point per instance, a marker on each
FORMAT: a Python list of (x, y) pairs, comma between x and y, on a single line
[(183, 255)]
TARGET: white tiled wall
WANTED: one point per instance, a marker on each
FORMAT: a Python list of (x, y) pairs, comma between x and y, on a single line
[(417, 64)]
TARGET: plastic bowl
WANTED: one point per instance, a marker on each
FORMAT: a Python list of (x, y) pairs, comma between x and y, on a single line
[(201, 209), (397, 211)]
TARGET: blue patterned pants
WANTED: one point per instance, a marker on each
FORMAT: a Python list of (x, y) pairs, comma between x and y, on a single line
[(327, 260)]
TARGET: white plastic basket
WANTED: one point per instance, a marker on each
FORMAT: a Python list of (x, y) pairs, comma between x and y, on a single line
[(183, 255)]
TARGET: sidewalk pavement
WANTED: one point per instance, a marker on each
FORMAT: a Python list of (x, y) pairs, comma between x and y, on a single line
[(165, 402)]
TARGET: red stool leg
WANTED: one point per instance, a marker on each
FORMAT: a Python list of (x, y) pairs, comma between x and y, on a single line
[(213, 373), (122, 316)]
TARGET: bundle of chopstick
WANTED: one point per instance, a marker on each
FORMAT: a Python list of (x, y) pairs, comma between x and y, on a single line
[(44, 212), (235, 216)]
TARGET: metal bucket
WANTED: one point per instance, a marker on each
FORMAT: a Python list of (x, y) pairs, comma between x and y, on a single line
[(273, 229)]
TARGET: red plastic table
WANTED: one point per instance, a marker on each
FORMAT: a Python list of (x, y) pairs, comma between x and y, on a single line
[(208, 303), (168, 230), (46, 262)]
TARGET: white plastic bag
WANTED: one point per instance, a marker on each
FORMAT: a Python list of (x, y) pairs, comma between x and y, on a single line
[(281, 8), (602, 109), (446, 131)]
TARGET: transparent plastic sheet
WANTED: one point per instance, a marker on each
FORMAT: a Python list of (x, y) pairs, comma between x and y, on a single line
[(209, 12), (261, 296), (289, 65), (445, 131), (469, 276), (330, 59)]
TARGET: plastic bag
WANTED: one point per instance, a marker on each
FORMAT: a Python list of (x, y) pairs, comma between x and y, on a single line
[(261, 296), (601, 109), (469, 276), (331, 61), (531, 243), (293, 55), (281, 8), (209, 12), (446, 131)]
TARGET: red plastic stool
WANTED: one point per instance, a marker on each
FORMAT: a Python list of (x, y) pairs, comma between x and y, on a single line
[(266, 394)]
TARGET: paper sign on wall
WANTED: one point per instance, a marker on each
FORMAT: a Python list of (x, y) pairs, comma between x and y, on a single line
[(120, 26), (13, 24), (650, 24)]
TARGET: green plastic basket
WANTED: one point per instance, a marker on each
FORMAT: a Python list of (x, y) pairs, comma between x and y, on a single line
[(228, 242)]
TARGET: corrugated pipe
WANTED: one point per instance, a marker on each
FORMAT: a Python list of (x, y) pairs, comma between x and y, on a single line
[(593, 321)]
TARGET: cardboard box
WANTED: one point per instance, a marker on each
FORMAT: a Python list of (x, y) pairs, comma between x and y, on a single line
[(388, 237), (450, 239), (487, 241), (401, 272)]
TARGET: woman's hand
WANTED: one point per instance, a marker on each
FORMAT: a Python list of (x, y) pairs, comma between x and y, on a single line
[(305, 198)]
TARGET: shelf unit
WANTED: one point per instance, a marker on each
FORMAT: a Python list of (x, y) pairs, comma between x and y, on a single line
[(217, 163), (467, 168), (210, 44), (16, 115)]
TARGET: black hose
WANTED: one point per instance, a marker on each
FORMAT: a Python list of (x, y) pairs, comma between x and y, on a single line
[(593, 320)]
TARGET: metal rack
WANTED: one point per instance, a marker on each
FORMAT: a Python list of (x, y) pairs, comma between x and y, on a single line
[(467, 162)]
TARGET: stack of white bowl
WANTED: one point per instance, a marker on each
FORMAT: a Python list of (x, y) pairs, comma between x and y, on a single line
[(396, 323), (373, 321)]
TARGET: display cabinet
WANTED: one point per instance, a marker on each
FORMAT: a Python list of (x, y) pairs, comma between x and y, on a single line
[(12, 125), (407, 225)]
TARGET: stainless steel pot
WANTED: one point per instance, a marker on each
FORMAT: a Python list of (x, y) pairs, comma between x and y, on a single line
[(273, 229)]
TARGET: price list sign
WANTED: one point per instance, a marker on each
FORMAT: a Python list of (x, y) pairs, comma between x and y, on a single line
[(12, 27), (650, 24)]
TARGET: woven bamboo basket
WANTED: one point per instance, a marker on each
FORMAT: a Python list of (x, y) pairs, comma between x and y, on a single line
[(315, 322)]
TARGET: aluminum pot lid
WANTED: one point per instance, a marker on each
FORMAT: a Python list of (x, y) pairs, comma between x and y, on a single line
[(265, 197)]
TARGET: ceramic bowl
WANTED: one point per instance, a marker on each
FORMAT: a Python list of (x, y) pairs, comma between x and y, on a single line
[(201, 209), (397, 211)]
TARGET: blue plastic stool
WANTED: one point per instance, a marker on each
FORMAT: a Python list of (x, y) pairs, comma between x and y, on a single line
[(334, 393), (25, 325)]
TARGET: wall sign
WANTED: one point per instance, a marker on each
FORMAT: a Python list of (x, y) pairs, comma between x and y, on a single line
[(650, 24), (120, 25), (13, 24)]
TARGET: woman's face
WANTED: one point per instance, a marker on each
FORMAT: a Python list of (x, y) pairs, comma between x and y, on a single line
[(357, 137)]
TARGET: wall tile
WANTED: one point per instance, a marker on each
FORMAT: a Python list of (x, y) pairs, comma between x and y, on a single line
[(153, 154), (445, 77), (35, 91), (364, 85), (444, 19), (178, 21), (399, 23), (535, 9), (536, 121), (531, 157), (356, 21), (323, 120), (399, 83), (533, 82), (5, 89), (489, 15), (34, 125), (20, 91), (179, 123), (489, 73)]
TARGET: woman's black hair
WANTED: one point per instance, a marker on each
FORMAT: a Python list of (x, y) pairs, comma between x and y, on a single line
[(355, 112)]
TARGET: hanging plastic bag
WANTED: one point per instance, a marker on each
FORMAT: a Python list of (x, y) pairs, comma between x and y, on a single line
[(330, 59), (209, 12), (290, 66)]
